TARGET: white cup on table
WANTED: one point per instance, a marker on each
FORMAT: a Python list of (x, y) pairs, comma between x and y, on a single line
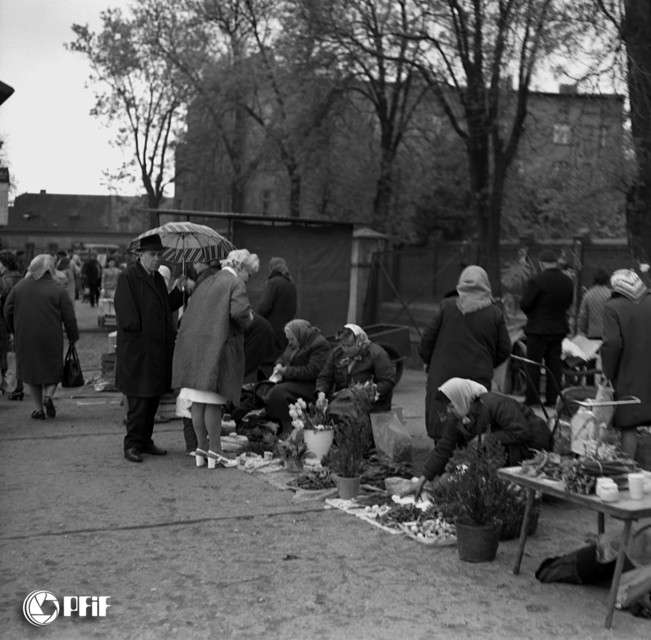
[(636, 485)]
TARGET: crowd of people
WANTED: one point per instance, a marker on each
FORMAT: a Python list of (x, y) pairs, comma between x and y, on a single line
[(201, 337)]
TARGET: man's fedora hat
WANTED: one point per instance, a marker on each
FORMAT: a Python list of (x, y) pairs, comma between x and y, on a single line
[(151, 243)]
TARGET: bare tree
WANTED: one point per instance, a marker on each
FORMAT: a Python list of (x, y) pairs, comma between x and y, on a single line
[(137, 90), (366, 37), (632, 21), (480, 63)]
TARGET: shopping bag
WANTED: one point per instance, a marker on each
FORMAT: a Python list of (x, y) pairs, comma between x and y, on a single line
[(585, 431), (605, 393), (391, 437), (72, 375)]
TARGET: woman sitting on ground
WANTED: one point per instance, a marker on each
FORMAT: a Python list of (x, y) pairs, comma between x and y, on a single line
[(478, 411), (355, 360), (296, 370)]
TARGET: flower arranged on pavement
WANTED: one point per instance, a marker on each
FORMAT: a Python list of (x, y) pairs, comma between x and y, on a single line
[(308, 416)]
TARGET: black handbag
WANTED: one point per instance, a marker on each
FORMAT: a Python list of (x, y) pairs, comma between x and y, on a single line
[(72, 375)]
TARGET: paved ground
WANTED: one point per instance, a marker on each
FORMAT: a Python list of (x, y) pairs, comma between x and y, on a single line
[(187, 553)]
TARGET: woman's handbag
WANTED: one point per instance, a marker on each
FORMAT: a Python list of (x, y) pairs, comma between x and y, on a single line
[(72, 375)]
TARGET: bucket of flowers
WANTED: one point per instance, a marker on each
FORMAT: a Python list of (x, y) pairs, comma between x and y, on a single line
[(317, 428)]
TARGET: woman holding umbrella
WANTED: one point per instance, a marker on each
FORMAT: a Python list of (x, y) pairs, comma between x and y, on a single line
[(208, 362)]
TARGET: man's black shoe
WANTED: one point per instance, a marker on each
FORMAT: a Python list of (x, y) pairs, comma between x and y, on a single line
[(133, 455), (156, 451)]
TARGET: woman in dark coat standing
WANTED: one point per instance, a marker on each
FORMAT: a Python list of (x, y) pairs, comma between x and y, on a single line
[(466, 338), (626, 352), (297, 369), (35, 310), (208, 363), (278, 304)]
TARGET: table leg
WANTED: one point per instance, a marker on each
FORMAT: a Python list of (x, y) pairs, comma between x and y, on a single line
[(523, 532), (619, 566)]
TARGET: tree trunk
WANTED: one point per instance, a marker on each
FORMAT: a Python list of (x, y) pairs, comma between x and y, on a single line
[(636, 32), (294, 191), (384, 190)]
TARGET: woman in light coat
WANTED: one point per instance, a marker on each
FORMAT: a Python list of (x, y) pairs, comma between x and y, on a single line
[(208, 363)]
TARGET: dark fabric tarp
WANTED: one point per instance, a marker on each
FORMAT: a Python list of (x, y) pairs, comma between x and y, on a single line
[(318, 259)]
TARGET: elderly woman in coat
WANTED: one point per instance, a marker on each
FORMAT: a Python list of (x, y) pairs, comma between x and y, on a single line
[(209, 354), (467, 338), (626, 352), (35, 310), (476, 411), (296, 370), (355, 360)]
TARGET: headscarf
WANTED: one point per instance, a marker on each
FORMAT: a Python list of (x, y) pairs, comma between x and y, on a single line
[(359, 346), (301, 330), (474, 290), (629, 284), (279, 267), (462, 393), (40, 265)]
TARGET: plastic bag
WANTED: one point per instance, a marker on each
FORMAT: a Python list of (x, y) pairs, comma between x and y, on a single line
[(605, 393), (391, 437)]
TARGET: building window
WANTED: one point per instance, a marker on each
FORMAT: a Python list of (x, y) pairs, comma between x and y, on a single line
[(561, 134)]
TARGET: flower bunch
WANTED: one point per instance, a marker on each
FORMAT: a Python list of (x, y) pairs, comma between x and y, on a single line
[(308, 416)]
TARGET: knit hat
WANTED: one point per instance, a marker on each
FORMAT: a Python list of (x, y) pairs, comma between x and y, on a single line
[(628, 283)]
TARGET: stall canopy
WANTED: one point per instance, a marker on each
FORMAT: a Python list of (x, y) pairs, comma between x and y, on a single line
[(318, 259)]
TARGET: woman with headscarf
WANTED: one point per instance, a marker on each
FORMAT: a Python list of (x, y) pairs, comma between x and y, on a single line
[(278, 303), (355, 360), (466, 338), (208, 365), (296, 370), (626, 352), (35, 310), (475, 411)]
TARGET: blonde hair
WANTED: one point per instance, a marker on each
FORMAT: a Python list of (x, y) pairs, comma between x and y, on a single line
[(40, 265), (242, 259)]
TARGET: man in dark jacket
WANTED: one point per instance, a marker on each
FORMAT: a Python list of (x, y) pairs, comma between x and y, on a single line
[(145, 345), (546, 300), (91, 271)]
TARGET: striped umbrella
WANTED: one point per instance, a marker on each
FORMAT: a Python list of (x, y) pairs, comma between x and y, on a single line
[(187, 242)]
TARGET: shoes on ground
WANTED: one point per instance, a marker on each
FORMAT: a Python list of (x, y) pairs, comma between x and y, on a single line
[(16, 394), (216, 459), (38, 415), (133, 455), (50, 409), (156, 451)]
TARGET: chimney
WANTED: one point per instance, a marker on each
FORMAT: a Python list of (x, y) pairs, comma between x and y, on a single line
[(43, 192), (568, 89)]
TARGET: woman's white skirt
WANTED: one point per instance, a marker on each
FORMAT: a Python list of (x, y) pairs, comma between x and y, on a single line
[(201, 396)]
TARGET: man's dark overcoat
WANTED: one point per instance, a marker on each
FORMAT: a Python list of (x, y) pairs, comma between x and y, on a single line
[(145, 338), (278, 305), (545, 300)]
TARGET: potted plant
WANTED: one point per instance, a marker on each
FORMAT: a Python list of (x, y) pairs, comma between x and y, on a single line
[(346, 457), (292, 450), (316, 427), (474, 493)]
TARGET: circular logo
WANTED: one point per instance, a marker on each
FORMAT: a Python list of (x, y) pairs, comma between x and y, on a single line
[(41, 608)]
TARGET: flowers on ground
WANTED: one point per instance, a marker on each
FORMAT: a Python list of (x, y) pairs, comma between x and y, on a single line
[(307, 416)]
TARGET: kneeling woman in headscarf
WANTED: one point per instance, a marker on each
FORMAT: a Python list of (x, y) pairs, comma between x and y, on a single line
[(296, 370), (478, 411)]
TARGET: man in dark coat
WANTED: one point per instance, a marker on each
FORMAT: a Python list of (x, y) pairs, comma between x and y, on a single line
[(91, 271), (278, 304), (626, 352), (546, 300), (145, 345)]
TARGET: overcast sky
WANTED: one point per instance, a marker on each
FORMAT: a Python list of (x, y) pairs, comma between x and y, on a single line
[(51, 141)]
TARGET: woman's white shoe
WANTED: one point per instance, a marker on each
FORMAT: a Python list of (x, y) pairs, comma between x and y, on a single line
[(215, 459)]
